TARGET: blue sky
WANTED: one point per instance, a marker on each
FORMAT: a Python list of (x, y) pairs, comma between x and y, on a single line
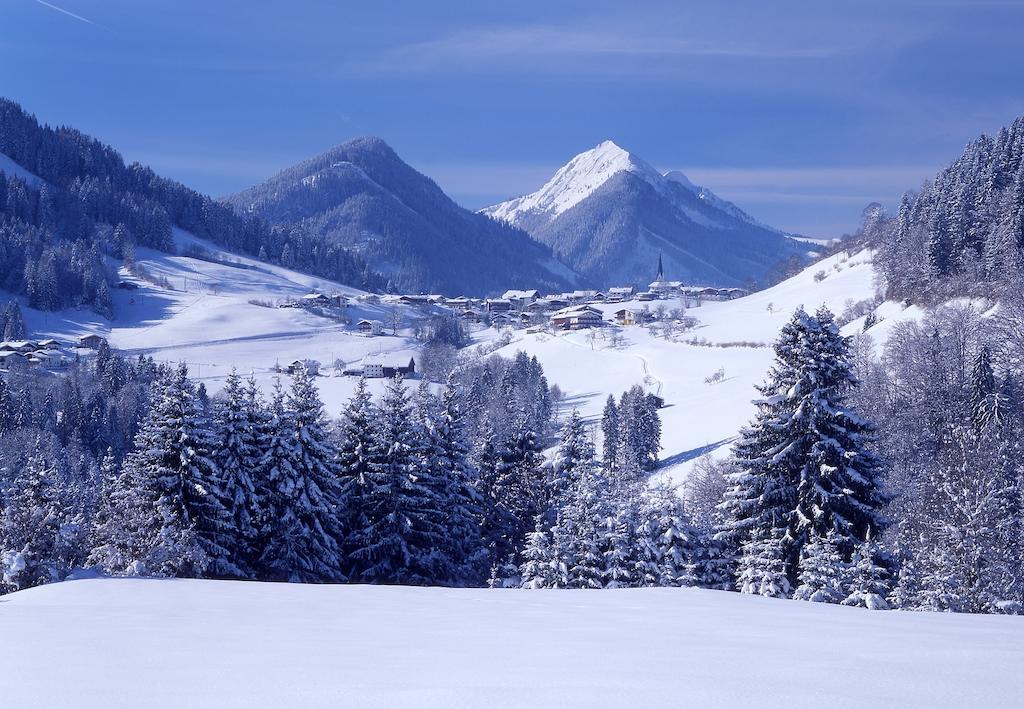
[(800, 112)]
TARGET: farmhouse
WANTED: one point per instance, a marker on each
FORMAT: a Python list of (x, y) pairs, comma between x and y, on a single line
[(311, 366), (577, 318), (370, 327), (91, 342), (520, 298), (387, 366), (498, 305), (617, 295), (625, 316)]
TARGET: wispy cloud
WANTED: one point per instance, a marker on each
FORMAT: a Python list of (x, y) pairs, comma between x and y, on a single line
[(67, 12), (527, 44)]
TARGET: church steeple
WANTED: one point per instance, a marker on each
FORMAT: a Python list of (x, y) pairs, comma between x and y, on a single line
[(661, 271)]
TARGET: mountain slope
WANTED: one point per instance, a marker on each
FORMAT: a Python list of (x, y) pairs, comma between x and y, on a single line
[(608, 215), (362, 195)]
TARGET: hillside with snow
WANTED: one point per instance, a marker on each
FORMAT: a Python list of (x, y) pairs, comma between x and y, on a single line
[(212, 314), (173, 643), (609, 214)]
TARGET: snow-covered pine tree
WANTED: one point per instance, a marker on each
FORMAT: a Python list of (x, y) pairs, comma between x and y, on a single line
[(14, 323), (578, 538), (42, 530), (618, 546), (680, 553), (575, 454), (395, 546), (460, 503), (519, 488), (610, 433), (303, 508), (805, 464), (822, 571), (237, 457), (762, 565), (868, 581), (357, 442), (538, 567), (180, 526)]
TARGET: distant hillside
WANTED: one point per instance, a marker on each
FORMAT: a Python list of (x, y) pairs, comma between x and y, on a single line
[(362, 196), (962, 233), (67, 200), (609, 215)]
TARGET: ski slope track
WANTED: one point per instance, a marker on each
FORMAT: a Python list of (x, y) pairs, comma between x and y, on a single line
[(118, 643)]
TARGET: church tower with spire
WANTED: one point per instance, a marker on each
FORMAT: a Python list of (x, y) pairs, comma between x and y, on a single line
[(661, 271)]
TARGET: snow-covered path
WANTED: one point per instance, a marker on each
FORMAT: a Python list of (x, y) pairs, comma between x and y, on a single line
[(129, 642)]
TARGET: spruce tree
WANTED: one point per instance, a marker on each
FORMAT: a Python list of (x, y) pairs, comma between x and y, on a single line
[(180, 526), (822, 571), (303, 507), (806, 469), (237, 457), (868, 582)]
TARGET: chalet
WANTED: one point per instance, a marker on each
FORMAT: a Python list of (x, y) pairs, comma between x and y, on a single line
[(460, 303), (539, 306), (311, 366), (471, 316), (498, 305), (617, 295), (8, 358), (312, 299), (520, 298), (501, 320), (20, 346), (577, 318), (370, 327), (665, 288), (415, 299), (625, 316), (49, 344), (646, 296), (388, 366), (91, 342)]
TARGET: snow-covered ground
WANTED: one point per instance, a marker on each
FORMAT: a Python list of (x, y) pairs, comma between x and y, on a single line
[(162, 643)]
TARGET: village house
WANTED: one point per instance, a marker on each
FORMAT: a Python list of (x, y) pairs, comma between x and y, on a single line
[(498, 305), (370, 327), (625, 316), (577, 318), (520, 298), (415, 299), (387, 366), (20, 346), (471, 316), (311, 366), (91, 342), (617, 295)]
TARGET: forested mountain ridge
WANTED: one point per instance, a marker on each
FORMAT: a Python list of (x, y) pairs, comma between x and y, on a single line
[(69, 199), (361, 195), (608, 214), (963, 232)]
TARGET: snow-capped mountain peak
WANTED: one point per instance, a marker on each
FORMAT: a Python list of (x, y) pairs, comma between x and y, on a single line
[(575, 181)]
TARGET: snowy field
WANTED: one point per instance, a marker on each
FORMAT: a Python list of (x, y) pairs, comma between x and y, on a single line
[(129, 643)]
